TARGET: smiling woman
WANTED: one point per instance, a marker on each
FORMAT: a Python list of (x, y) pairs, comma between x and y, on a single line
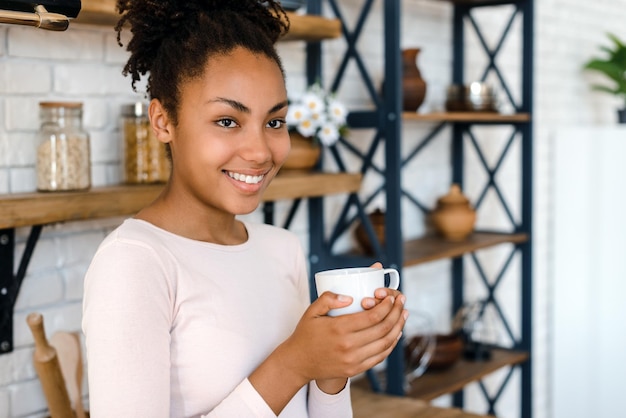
[(201, 314)]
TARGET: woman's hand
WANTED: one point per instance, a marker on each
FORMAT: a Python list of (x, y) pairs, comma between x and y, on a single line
[(379, 294), (335, 348), (331, 349)]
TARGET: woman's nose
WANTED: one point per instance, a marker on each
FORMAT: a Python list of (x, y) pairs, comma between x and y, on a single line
[(255, 147)]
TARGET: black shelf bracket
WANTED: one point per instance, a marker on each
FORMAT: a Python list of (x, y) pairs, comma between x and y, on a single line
[(10, 283)]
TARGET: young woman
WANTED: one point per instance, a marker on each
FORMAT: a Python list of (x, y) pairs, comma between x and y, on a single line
[(187, 310)]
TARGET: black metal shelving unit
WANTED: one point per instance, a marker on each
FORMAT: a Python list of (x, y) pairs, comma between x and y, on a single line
[(386, 119)]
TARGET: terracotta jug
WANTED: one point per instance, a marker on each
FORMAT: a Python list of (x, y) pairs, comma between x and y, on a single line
[(378, 223), (413, 85), (454, 218)]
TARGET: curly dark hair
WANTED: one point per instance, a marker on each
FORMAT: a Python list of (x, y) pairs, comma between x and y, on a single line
[(173, 39)]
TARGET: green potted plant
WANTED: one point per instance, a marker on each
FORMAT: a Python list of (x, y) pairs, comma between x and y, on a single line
[(613, 66)]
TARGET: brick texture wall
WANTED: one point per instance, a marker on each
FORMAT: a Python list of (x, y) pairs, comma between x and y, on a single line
[(85, 63)]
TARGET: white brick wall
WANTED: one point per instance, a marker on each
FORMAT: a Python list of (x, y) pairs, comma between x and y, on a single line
[(85, 63)]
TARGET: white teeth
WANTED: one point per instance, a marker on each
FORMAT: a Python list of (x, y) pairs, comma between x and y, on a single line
[(246, 179)]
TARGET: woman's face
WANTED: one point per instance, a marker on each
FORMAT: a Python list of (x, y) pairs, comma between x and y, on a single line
[(231, 137)]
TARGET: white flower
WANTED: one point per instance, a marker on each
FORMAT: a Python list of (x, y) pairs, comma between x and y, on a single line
[(328, 134), (337, 112), (318, 114), (307, 128), (297, 113), (314, 103)]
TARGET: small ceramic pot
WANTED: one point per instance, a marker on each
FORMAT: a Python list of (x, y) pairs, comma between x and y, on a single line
[(454, 218), (304, 154), (377, 218)]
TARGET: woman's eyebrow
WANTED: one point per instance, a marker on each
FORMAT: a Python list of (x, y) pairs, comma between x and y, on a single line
[(243, 108), (232, 103), (278, 106)]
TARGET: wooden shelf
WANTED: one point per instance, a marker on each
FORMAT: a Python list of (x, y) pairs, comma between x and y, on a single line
[(312, 28), (366, 404), (303, 27), (25, 209), (433, 384), (481, 117), (431, 248)]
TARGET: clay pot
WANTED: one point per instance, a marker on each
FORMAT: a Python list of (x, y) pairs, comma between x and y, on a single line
[(454, 218), (304, 154), (413, 86), (378, 222)]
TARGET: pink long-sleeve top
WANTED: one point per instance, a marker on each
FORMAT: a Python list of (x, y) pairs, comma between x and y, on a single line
[(175, 326)]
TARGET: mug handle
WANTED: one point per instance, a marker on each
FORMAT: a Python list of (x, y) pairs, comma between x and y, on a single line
[(394, 278)]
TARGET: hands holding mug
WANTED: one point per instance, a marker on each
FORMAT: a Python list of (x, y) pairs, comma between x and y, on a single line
[(341, 335)]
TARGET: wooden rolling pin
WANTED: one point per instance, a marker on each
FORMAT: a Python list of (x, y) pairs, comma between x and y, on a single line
[(67, 345), (47, 366)]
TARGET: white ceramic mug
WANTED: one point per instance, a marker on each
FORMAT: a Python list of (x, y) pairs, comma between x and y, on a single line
[(357, 282)]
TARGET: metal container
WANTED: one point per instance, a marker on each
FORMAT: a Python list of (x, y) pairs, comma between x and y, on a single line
[(145, 158), (63, 158), (477, 97)]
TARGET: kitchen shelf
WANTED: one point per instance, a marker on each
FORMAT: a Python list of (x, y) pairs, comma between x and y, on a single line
[(366, 404), (431, 247), (464, 144), (474, 117), (303, 27), (435, 383), (25, 209)]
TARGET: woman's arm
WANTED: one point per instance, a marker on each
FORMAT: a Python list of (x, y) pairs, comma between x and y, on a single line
[(324, 347)]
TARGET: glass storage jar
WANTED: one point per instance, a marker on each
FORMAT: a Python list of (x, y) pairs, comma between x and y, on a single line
[(63, 161), (145, 158)]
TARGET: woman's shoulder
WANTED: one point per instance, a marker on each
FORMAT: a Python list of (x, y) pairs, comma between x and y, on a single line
[(266, 232), (135, 233), (272, 239), (133, 230)]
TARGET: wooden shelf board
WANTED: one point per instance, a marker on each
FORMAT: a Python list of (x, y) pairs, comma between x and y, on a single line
[(293, 185), (431, 248), (25, 209), (366, 404), (466, 117), (312, 28), (433, 384), (303, 27)]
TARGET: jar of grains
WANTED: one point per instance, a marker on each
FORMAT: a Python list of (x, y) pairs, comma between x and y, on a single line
[(63, 153), (145, 158)]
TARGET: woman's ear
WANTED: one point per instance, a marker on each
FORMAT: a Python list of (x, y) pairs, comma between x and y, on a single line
[(160, 121)]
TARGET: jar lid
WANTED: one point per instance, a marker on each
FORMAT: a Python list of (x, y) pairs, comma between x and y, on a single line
[(138, 109), (70, 105)]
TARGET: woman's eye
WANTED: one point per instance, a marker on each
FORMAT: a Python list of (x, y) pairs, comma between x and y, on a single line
[(276, 123), (227, 123)]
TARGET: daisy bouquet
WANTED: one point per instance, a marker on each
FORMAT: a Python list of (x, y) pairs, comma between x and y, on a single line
[(318, 115)]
